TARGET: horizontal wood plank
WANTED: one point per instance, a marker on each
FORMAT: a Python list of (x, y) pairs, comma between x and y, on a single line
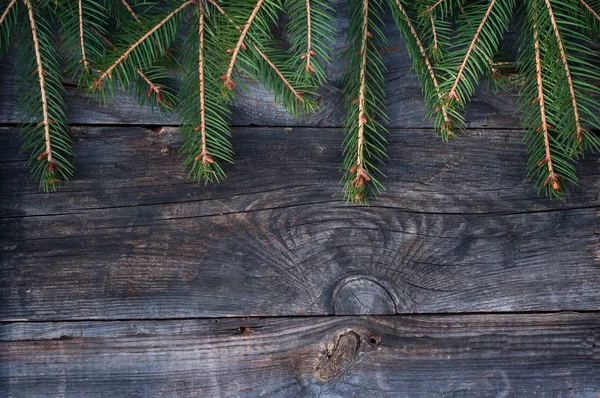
[(458, 229), (256, 106), (479, 356)]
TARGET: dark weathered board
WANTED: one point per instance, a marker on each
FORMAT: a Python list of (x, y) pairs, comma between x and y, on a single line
[(478, 356), (256, 107), (458, 229)]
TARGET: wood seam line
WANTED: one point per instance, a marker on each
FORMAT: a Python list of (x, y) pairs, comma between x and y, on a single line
[(425, 58), (227, 79), (5, 13), (563, 57), (139, 41), (83, 57), (133, 14), (452, 93), (308, 67), (262, 54), (590, 9), (42, 81), (542, 105), (361, 92)]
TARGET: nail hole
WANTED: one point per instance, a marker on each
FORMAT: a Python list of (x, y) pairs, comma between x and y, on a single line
[(375, 340)]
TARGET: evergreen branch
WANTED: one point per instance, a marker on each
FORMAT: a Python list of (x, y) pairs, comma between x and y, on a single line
[(435, 46), (227, 80), (48, 140), (422, 56), (452, 93), (552, 178), (204, 156), (276, 70), (563, 58), (133, 13), (309, 50), (8, 20), (152, 88), (364, 140), (429, 9), (587, 7), (106, 73), (42, 82), (86, 64)]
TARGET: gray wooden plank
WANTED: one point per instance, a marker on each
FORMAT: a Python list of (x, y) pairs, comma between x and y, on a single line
[(458, 229), (544, 355), (256, 107)]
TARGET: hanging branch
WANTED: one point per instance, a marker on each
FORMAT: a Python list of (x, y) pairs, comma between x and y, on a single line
[(227, 81), (86, 64), (97, 84), (364, 141), (427, 75), (547, 160), (7, 24)]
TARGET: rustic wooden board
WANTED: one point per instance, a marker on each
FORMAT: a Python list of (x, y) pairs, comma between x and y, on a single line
[(518, 356), (459, 229), (256, 107)]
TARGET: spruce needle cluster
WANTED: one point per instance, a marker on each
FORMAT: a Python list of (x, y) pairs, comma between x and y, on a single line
[(217, 46)]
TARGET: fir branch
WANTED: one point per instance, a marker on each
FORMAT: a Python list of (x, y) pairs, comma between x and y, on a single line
[(8, 22), (131, 12), (419, 55), (364, 141), (228, 83), (131, 48), (563, 58), (592, 16), (547, 160), (297, 95), (476, 46), (86, 63), (202, 110), (309, 50), (590, 10), (47, 140)]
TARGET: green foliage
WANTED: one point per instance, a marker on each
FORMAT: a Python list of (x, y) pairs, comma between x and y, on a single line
[(138, 45), (364, 139)]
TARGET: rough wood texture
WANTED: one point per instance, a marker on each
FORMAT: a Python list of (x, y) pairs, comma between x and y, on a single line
[(129, 238), (478, 356), (256, 107)]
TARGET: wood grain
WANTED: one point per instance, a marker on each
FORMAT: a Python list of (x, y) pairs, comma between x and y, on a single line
[(459, 229), (479, 356), (256, 107)]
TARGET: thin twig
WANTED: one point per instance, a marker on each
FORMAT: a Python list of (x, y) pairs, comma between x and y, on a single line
[(309, 50), (5, 13), (296, 94), (563, 57), (124, 56), (542, 104), (590, 9), (361, 91), (227, 77), (461, 69), (42, 81), (86, 64), (133, 14), (204, 154), (430, 8)]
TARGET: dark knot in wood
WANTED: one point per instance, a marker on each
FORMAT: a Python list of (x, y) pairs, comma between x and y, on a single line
[(340, 358)]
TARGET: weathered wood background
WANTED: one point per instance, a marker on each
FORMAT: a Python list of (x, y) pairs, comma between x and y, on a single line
[(131, 281)]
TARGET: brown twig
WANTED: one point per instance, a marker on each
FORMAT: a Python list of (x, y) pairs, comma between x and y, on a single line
[(296, 94), (5, 13), (86, 64), (461, 68), (413, 31), (430, 8), (433, 31), (590, 9), (204, 155), (309, 50), (42, 81), (133, 14), (362, 118), (542, 104), (124, 56), (563, 57), (227, 81)]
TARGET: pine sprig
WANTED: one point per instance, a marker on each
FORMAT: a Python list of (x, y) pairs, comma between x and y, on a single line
[(202, 111), (8, 23), (311, 32), (139, 51), (592, 16), (477, 43), (423, 65), (364, 141), (45, 131)]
